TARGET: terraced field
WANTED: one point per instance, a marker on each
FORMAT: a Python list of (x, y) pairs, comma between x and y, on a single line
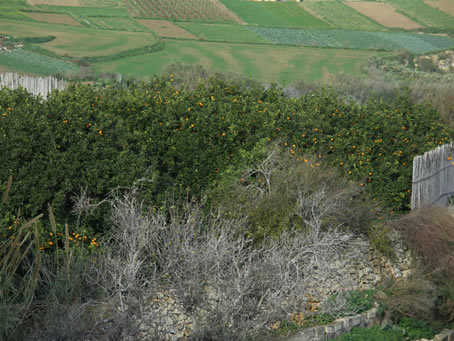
[(288, 14), (423, 13), (223, 32), (282, 65), (383, 14), (272, 41), (390, 41), (200, 10), (341, 16)]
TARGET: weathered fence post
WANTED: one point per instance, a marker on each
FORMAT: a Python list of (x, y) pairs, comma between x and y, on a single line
[(433, 177)]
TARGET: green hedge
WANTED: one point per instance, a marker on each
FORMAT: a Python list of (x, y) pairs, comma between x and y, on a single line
[(98, 139)]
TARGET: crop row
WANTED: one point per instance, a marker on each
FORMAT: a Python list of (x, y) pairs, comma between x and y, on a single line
[(199, 10), (342, 16), (424, 14), (394, 41), (113, 23), (31, 62)]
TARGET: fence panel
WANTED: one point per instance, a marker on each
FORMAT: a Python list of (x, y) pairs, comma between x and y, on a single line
[(433, 177), (42, 86)]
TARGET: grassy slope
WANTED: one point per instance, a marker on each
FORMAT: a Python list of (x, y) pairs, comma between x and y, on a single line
[(273, 14), (267, 63), (78, 41)]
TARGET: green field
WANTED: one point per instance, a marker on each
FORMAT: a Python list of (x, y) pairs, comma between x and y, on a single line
[(222, 32), (390, 41), (423, 13), (262, 62), (113, 23), (78, 41), (342, 16), (287, 14), (29, 62)]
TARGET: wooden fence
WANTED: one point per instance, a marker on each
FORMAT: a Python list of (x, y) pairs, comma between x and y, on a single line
[(433, 177), (42, 86)]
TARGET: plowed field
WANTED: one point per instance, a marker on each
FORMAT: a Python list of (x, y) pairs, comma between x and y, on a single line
[(54, 18), (383, 14)]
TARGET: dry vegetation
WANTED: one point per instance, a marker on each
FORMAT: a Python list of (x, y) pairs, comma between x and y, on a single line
[(383, 14), (430, 232)]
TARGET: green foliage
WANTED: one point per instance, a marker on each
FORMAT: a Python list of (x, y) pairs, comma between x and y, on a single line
[(98, 139), (417, 329), (372, 334), (393, 41), (378, 235)]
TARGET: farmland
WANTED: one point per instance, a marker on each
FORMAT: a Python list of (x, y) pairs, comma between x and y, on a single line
[(392, 41), (223, 32), (341, 16), (54, 18), (446, 6), (201, 10), (383, 14), (262, 62), (34, 63), (423, 13), (273, 14), (78, 41), (261, 40), (167, 29)]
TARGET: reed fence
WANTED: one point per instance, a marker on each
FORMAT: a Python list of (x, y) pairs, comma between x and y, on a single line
[(433, 177), (42, 86)]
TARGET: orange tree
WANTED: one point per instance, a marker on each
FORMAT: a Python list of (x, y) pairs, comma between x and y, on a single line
[(184, 141)]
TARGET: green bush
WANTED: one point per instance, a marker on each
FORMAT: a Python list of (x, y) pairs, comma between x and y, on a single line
[(417, 329), (185, 142), (372, 334)]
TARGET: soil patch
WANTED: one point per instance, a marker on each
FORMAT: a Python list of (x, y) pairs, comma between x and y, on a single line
[(446, 6), (167, 29), (54, 18), (383, 14), (75, 3)]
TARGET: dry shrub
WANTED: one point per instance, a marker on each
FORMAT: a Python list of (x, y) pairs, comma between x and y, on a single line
[(430, 232), (413, 296)]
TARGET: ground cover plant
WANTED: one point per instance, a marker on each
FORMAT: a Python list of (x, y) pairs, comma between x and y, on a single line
[(341, 16), (396, 41)]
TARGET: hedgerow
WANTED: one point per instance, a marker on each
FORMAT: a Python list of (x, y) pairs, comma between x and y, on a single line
[(186, 142)]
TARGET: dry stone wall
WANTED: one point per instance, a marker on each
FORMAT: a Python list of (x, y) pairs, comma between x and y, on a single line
[(165, 317)]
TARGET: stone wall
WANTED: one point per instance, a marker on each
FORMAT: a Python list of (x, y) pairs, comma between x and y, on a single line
[(165, 317)]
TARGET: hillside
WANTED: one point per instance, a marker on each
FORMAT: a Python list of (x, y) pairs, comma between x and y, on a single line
[(271, 42)]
